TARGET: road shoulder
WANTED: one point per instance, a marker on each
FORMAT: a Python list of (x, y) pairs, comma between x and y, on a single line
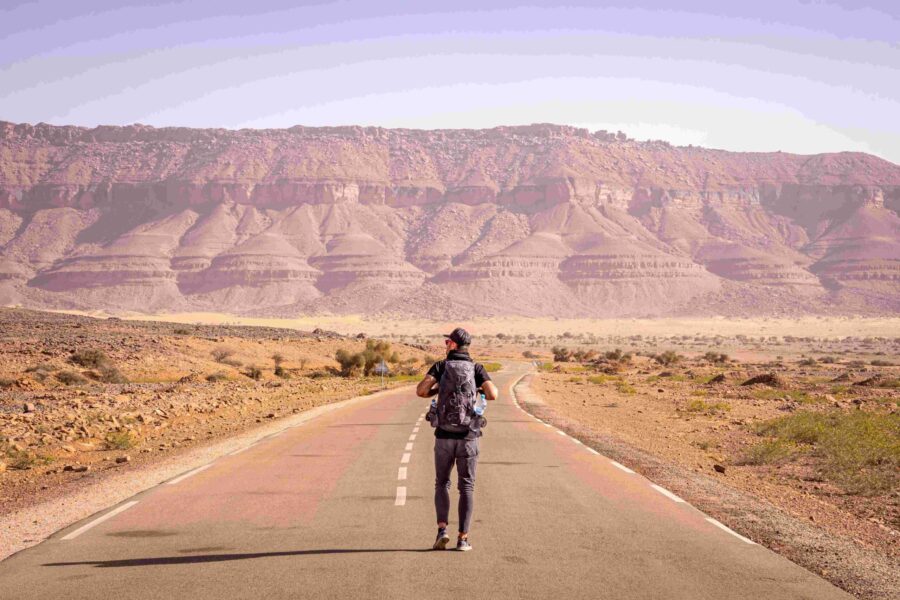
[(857, 569)]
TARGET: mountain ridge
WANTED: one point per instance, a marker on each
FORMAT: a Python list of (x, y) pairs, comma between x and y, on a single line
[(538, 220)]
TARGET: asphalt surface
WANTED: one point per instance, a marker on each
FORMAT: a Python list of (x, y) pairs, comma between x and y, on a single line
[(322, 511)]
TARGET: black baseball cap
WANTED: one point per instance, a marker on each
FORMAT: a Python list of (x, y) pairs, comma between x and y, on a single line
[(460, 336)]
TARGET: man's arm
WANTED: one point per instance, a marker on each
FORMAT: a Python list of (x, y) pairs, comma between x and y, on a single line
[(427, 387), (490, 390)]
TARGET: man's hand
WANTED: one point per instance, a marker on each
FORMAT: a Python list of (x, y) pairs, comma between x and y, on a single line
[(427, 387), (490, 390)]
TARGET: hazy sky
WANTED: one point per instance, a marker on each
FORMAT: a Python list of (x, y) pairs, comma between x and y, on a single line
[(763, 75)]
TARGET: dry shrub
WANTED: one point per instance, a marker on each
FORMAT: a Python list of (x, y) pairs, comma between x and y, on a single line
[(71, 378), (221, 353), (90, 359)]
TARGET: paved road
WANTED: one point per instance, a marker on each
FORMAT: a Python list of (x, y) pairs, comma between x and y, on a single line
[(341, 507)]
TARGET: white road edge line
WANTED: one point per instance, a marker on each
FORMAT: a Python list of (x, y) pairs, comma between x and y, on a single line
[(409, 447), (99, 520), (239, 450), (401, 474), (405, 458), (401, 496), (735, 534), (666, 493), (181, 478), (592, 451), (621, 466)]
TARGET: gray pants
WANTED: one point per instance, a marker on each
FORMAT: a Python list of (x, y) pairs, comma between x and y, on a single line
[(465, 454)]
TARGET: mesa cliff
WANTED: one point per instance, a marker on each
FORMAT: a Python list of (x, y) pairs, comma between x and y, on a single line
[(539, 220)]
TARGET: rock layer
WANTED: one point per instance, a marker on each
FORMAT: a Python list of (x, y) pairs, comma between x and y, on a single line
[(539, 220)]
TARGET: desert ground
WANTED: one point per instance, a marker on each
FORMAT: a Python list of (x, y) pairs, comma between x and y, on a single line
[(797, 414), (83, 397), (810, 326)]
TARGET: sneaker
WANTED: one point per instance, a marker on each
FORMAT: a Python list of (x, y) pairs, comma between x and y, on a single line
[(443, 538), (463, 545)]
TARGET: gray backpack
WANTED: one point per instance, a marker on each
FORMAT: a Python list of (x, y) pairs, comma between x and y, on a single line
[(456, 396)]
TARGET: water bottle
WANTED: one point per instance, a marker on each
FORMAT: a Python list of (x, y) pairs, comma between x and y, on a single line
[(431, 415), (480, 404)]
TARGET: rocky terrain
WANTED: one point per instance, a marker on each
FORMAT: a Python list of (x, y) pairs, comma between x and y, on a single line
[(792, 441), (83, 398), (537, 220)]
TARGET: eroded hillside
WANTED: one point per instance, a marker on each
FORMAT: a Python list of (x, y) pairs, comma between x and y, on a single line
[(540, 220)]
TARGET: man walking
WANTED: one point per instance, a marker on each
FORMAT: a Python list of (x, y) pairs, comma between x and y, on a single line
[(456, 381)]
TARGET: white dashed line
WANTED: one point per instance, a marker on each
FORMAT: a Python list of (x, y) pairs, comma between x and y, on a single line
[(412, 437), (409, 447), (622, 467), (666, 493), (401, 474), (415, 430), (724, 528), (181, 478), (99, 520), (401, 496), (405, 458)]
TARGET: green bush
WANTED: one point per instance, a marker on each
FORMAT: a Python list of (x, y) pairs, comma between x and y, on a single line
[(624, 388), (217, 376), (561, 354), (702, 406), (859, 450), (768, 452), (25, 459), (120, 440), (492, 367), (365, 361), (253, 372)]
